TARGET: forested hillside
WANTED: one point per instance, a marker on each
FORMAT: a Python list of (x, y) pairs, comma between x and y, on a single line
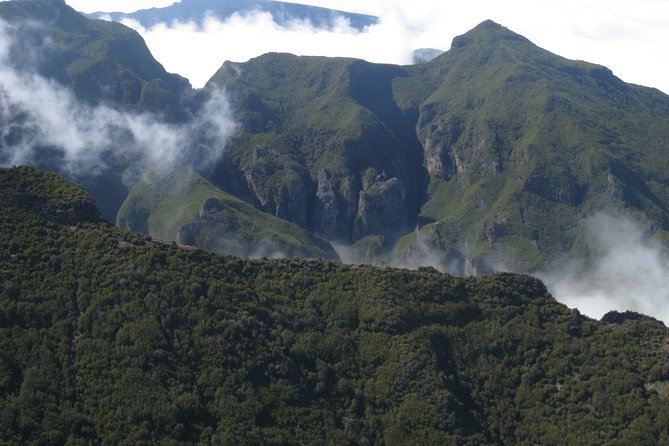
[(111, 337)]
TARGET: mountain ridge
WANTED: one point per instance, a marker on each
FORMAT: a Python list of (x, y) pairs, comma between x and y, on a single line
[(282, 13), (487, 157)]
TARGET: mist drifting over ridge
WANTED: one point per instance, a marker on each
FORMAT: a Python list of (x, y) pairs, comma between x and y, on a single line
[(40, 116), (626, 270)]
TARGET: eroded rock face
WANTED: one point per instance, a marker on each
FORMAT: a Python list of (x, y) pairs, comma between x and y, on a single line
[(440, 160), (293, 196), (382, 208), (334, 207)]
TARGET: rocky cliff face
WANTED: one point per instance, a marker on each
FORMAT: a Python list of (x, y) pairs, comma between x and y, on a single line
[(331, 122), (382, 207), (333, 208)]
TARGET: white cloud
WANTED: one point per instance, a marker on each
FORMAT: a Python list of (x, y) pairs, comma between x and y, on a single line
[(629, 37), (196, 52), (627, 271), (37, 112)]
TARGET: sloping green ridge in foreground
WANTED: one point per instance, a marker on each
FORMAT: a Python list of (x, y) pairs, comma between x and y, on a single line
[(109, 337)]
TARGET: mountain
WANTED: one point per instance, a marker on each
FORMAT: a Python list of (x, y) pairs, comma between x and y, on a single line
[(108, 66), (324, 145), (520, 143), (99, 61), (282, 13), (108, 337), (488, 157)]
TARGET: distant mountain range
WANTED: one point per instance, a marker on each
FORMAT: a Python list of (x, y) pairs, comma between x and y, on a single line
[(487, 157), (282, 12)]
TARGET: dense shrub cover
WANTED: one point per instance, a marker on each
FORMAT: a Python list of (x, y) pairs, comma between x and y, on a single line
[(109, 337)]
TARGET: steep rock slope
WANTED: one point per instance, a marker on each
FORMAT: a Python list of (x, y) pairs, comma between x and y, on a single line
[(109, 337), (323, 144)]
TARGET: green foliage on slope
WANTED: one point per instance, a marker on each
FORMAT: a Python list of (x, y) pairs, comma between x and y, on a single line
[(521, 143), (110, 337), (314, 123)]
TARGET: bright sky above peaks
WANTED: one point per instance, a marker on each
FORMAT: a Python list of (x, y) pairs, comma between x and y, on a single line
[(629, 37)]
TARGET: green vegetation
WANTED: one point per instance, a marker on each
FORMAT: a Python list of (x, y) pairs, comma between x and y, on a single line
[(99, 60), (186, 208), (110, 337), (521, 143), (303, 118), (489, 155)]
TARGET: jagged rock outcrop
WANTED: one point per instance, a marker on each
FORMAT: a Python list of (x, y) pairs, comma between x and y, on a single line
[(382, 207), (294, 195), (626, 317), (334, 207)]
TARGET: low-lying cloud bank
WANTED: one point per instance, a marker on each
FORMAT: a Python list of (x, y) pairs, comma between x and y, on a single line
[(626, 270), (196, 50)]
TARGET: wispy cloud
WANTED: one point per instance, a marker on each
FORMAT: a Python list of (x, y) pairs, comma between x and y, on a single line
[(626, 270), (36, 112)]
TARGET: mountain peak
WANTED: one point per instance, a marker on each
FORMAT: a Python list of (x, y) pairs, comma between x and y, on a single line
[(487, 31)]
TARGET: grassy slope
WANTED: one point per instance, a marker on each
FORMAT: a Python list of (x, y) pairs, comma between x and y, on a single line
[(162, 206), (539, 141), (106, 336), (314, 113), (529, 142)]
